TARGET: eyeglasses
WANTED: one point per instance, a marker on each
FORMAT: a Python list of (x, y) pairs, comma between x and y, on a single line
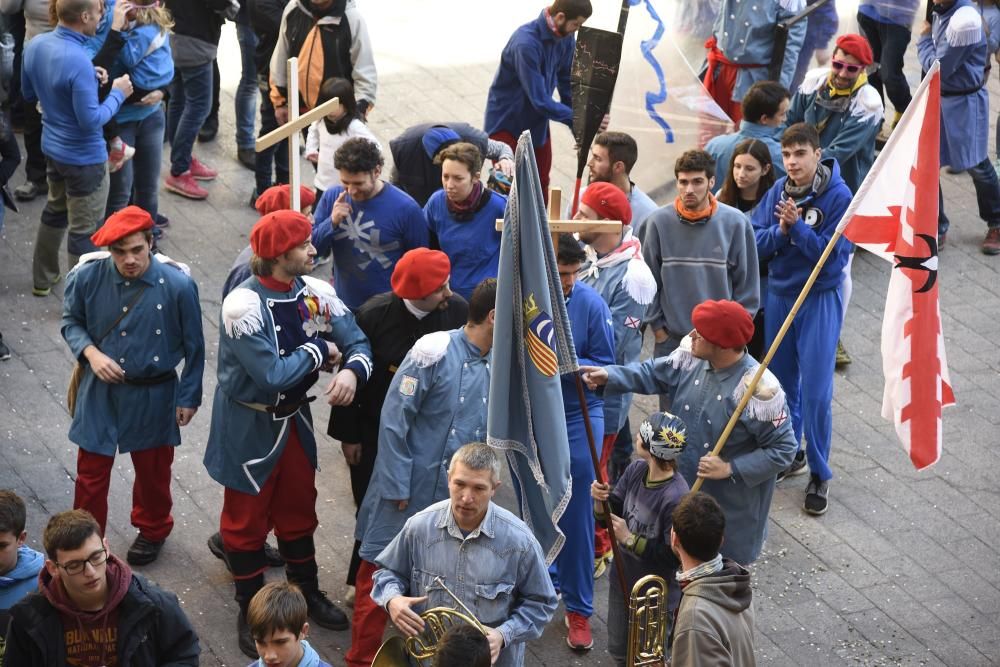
[(75, 567), (851, 69)]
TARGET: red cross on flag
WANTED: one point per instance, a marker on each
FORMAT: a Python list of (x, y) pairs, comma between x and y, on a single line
[(894, 215)]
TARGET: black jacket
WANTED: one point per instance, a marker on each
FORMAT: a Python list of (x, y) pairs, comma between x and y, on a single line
[(198, 18), (265, 17), (416, 174), (152, 631)]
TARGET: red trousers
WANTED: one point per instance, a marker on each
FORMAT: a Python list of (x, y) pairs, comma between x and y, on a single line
[(151, 501), (543, 156), (368, 624), (287, 501), (602, 540)]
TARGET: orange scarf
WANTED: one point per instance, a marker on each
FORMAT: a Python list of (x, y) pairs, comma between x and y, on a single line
[(696, 216)]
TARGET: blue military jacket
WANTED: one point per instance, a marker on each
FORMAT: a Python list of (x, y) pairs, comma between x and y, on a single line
[(628, 287), (270, 351), (162, 328), (436, 403), (760, 446)]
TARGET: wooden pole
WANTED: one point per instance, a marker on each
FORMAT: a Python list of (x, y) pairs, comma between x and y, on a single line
[(752, 387), (283, 132), (294, 177)]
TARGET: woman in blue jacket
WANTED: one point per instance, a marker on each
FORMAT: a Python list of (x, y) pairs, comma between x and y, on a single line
[(462, 218)]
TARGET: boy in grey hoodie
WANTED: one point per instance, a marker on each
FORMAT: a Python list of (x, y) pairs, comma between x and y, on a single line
[(715, 619)]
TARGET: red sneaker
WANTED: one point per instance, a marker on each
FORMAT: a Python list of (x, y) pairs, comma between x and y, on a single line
[(200, 171), (579, 637), (185, 186)]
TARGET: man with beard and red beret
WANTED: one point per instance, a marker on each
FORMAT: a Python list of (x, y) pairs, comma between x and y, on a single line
[(421, 302), (705, 378), (130, 318), (278, 329)]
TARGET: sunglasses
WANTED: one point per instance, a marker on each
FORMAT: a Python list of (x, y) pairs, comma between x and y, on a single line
[(851, 69)]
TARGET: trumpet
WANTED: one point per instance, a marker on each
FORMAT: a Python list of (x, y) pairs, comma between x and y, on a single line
[(647, 622), (397, 652)]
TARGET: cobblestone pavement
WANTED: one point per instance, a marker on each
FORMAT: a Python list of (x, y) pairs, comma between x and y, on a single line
[(903, 569)]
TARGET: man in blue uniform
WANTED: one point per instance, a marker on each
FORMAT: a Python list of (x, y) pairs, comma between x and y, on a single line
[(274, 337), (793, 224), (706, 377), (535, 62), (594, 340), (129, 318), (615, 268), (958, 41), (436, 402)]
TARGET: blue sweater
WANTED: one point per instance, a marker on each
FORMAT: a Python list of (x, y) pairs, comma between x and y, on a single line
[(533, 64), (149, 69), (793, 256), (21, 580), (473, 245), (367, 245), (57, 72)]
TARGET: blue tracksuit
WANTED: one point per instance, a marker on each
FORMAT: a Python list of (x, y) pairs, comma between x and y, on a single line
[(147, 59), (804, 362), (471, 241), (594, 340)]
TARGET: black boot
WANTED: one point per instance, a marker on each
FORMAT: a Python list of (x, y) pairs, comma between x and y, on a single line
[(301, 570), (248, 576)]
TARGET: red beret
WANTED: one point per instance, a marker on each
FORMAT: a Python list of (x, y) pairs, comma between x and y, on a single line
[(608, 202), (419, 272), (129, 220), (857, 46), (278, 232), (723, 323), (279, 197)]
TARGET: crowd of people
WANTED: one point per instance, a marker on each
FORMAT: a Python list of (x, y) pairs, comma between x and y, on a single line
[(404, 325)]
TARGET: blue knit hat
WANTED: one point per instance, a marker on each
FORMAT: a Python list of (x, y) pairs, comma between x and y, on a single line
[(437, 138), (664, 435)]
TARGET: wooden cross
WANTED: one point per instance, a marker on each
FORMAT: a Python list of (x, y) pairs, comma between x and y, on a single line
[(557, 226), (291, 129)]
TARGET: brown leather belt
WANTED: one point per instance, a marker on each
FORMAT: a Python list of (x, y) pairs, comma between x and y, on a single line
[(280, 411)]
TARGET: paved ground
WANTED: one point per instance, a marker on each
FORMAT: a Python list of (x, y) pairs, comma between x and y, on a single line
[(903, 569)]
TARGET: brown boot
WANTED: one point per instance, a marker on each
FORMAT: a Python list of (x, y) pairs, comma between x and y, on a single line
[(991, 244)]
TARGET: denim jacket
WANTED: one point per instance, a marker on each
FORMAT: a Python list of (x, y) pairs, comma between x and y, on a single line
[(498, 571)]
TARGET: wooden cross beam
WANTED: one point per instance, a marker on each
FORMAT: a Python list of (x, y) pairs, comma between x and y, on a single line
[(557, 226), (291, 129)]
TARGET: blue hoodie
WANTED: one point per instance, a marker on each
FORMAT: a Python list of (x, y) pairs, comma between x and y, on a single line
[(793, 256), (309, 658), (23, 579)]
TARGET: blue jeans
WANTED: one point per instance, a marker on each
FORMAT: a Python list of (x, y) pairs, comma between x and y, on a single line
[(190, 102), (276, 155), (984, 179), (246, 91), (888, 42), (138, 180)]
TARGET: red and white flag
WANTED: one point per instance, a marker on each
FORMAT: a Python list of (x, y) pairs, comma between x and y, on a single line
[(894, 215)]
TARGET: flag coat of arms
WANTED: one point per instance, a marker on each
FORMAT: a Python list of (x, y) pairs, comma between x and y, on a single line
[(894, 215), (532, 347)]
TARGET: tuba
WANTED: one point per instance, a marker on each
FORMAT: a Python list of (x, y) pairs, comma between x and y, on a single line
[(421, 649), (647, 622)]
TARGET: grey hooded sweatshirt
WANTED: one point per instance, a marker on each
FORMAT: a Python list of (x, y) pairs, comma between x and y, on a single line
[(714, 624)]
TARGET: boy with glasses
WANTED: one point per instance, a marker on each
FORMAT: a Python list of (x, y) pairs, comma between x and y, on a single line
[(89, 597)]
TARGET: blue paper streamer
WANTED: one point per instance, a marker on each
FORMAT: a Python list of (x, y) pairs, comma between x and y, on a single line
[(660, 96)]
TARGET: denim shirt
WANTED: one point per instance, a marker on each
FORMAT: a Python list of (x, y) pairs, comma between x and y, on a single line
[(497, 570)]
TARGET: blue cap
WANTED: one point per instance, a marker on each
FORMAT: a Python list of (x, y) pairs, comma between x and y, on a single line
[(664, 435), (437, 137)]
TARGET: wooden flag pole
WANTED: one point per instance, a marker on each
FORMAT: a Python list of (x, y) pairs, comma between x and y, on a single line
[(752, 387), (291, 130)]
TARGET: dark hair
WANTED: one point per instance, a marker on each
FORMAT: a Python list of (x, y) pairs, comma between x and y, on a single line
[(482, 300), (758, 150), (699, 524), (68, 530), (569, 250), (800, 133), (764, 98), (13, 514), (343, 90), (621, 148), (277, 606), (461, 151), (572, 9), (463, 646), (695, 160), (358, 156), (69, 12)]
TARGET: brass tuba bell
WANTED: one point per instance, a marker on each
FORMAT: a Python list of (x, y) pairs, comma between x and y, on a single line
[(647, 622)]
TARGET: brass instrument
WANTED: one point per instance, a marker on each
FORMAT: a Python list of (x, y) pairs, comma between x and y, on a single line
[(647, 622), (397, 652)]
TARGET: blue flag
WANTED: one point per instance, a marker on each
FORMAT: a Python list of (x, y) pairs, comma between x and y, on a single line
[(532, 347)]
